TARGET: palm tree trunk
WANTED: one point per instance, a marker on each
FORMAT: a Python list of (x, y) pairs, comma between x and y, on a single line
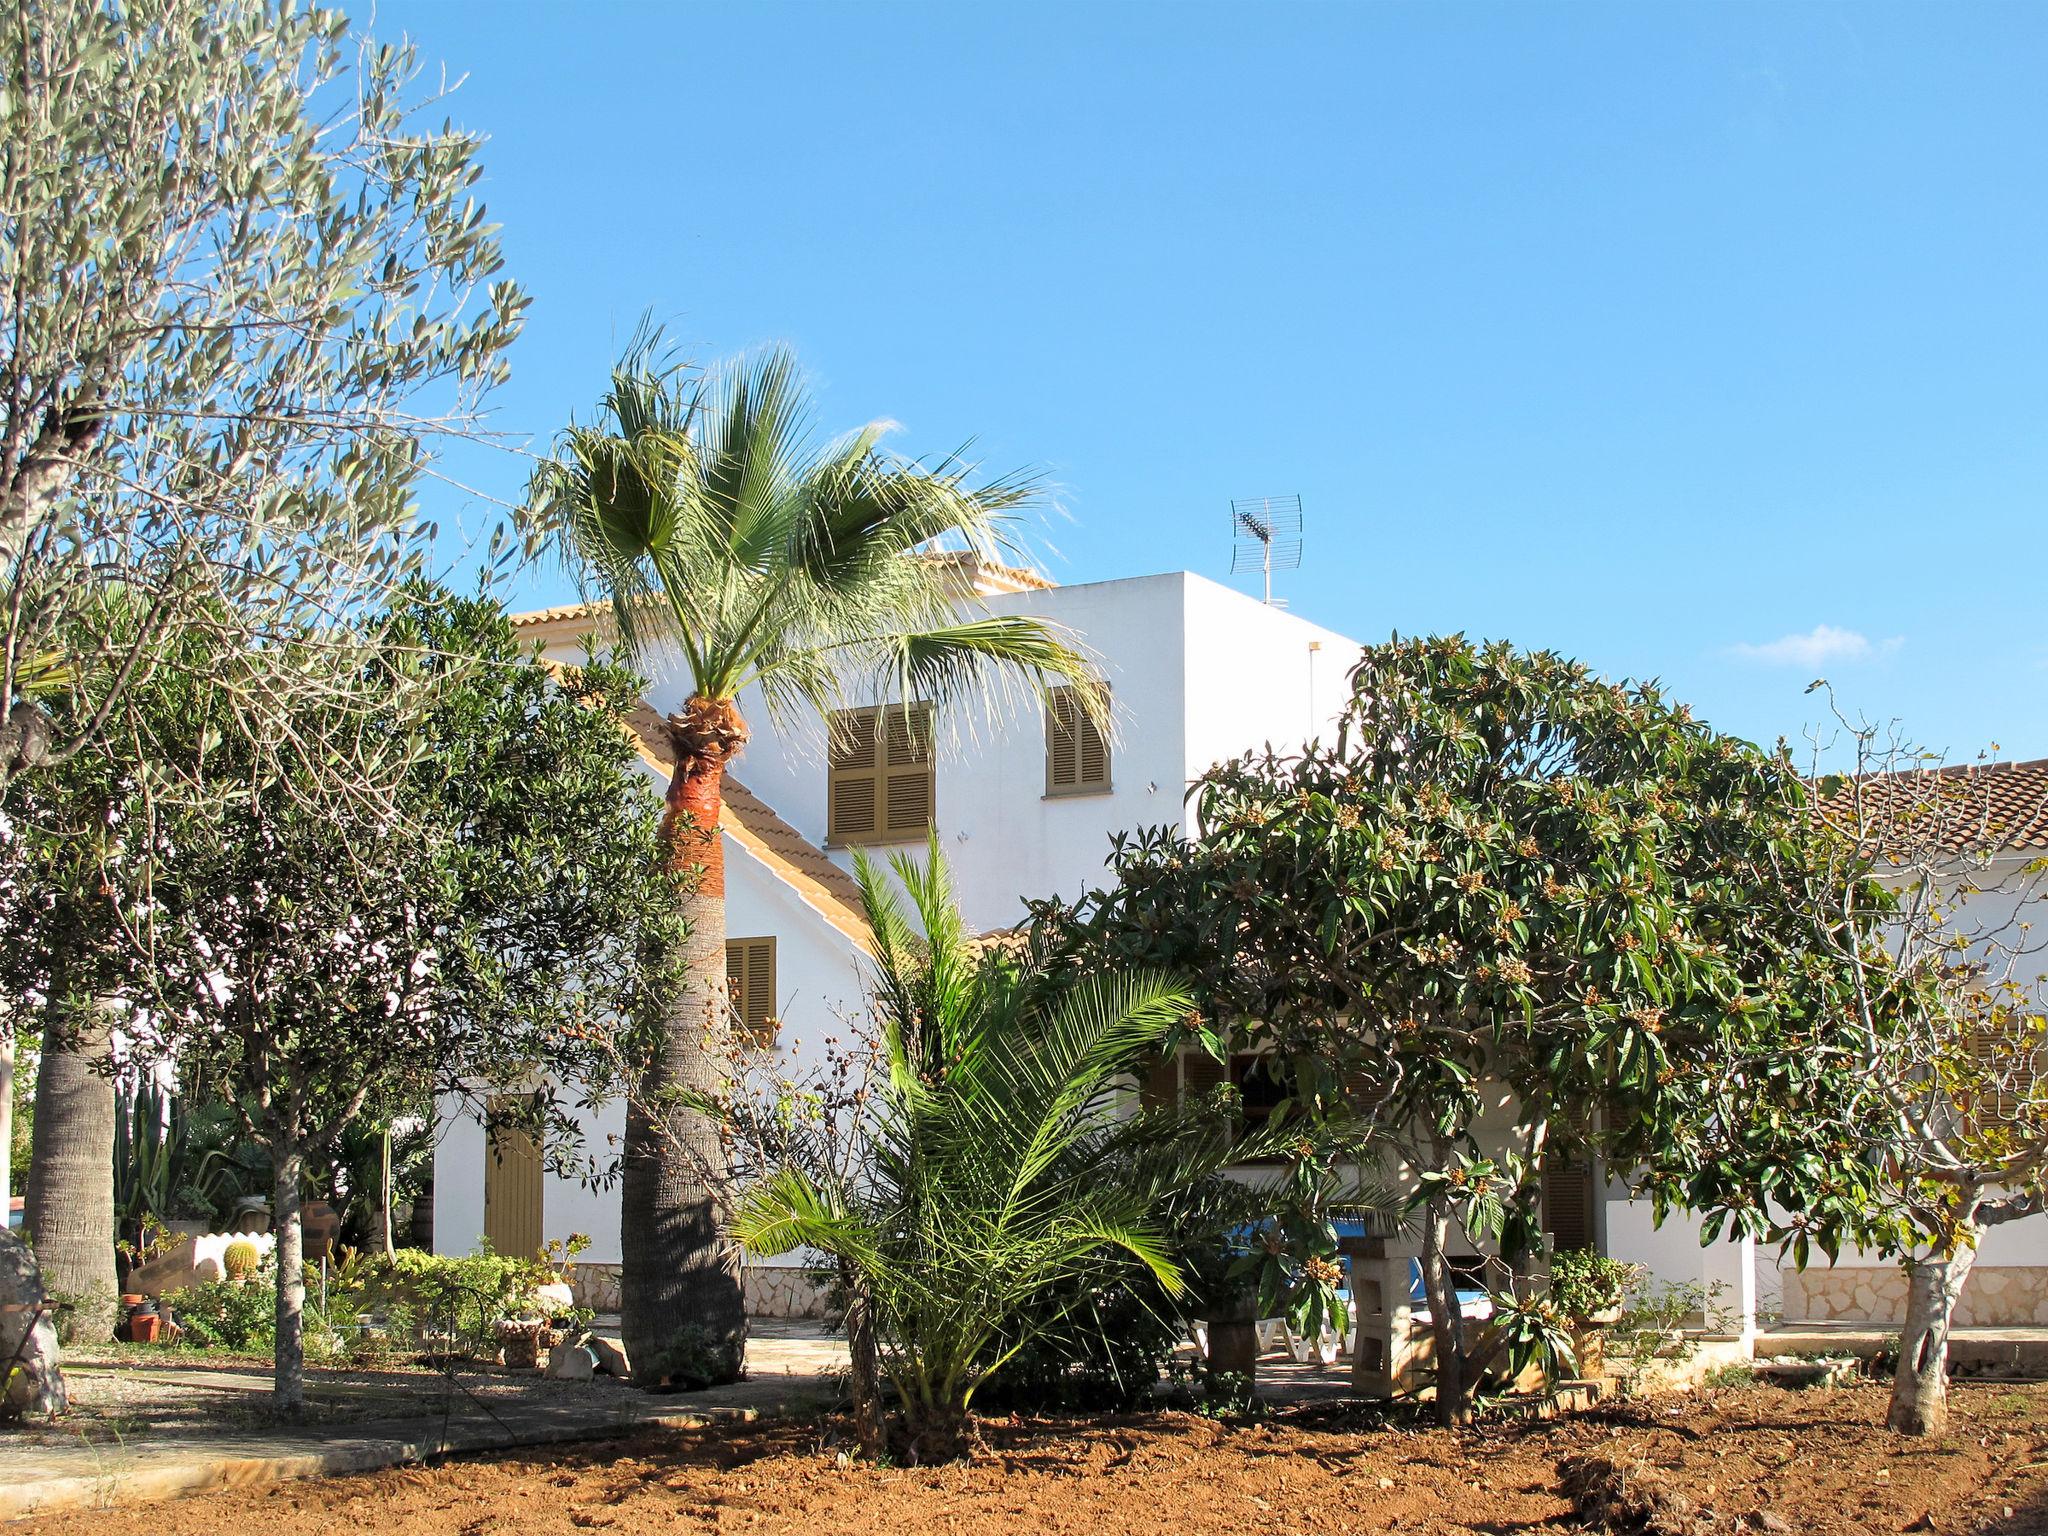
[(70, 1212), (864, 1374), (683, 1312)]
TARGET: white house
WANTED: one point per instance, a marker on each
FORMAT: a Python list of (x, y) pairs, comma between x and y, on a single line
[(1025, 805), (1197, 672)]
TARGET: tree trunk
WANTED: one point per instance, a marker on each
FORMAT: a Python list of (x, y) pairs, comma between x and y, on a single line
[(1920, 1385), (864, 1370), (6, 1114), (939, 1432), (70, 1212), (1446, 1322), (384, 1194), (288, 1375), (682, 1310)]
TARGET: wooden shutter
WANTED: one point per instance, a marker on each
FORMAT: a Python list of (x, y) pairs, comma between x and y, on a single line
[(854, 790), (2007, 1060), (1568, 1206), (907, 784), (750, 977), (1076, 752), (1159, 1083), (1201, 1072), (880, 786)]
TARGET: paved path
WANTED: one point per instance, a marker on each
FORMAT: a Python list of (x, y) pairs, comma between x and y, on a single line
[(367, 1420), (2014, 1351)]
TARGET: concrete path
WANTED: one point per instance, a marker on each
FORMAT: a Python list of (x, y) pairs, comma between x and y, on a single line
[(371, 1420), (2014, 1351)]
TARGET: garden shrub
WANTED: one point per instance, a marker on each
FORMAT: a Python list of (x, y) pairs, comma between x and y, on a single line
[(1117, 1342), (220, 1314), (1584, 1282), (464, 1297)]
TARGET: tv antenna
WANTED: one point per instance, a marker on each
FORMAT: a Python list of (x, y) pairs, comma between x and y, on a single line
[(1265, 533)]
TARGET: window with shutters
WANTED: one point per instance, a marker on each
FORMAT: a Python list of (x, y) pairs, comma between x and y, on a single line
[(1570, 1205), (750, 979), (2007, 1060), (879, 788), (1190, 1074), (1076, 752)]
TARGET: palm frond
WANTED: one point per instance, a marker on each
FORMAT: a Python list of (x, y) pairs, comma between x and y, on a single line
[(702, 512)]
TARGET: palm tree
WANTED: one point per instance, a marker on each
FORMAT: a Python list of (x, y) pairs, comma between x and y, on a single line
[(70, 1206), (1006, 1165), (705, 513)]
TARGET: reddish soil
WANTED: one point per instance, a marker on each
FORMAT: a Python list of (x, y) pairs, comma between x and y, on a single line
[(1748, 1459)]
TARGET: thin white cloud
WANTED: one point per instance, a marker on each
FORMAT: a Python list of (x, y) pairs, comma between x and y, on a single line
[(1820, 645)]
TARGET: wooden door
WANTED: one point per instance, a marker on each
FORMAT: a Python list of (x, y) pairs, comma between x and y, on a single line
[(512, 1193)]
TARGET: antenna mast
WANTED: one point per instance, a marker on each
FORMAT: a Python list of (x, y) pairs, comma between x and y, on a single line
[(1265, 534)]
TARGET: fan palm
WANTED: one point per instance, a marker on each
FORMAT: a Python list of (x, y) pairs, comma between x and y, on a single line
[(703, 510), (1006, 1165)]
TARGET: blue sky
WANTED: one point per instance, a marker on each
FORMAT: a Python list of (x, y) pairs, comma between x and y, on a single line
[(1701, 341)]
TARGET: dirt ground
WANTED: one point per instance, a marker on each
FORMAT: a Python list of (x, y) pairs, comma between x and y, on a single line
[(1748, 1459)]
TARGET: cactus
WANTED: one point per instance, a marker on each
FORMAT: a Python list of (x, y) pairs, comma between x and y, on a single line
[(239, 1262)]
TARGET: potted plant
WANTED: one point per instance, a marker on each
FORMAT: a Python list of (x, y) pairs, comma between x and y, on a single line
[(1590, 1290)]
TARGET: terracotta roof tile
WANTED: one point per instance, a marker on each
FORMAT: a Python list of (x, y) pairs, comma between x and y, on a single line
[(1972, 807)]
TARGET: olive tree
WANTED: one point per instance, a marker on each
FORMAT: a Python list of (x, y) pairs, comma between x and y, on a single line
[(1507, 872), (246, 288)]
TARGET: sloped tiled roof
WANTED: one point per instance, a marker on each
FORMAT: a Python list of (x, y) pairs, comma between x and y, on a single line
[(556, 614), (752, 823), (1973, 807)]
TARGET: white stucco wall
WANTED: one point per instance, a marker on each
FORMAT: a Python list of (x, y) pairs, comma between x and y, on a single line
[(1197, 672)]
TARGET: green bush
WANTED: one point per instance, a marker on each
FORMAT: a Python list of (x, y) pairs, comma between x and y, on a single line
[(465, 1297), (221, 1314), (1585, 1282), (1110, 1351)]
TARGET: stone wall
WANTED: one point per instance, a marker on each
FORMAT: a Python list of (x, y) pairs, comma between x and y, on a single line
[(772, 1290), (1995, 1296), (779, 1291), (595, 1286)]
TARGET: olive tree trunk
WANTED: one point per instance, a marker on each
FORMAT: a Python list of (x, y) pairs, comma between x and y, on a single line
[(288, 1372), (70, 1208), (1919, 1403), (682, 1308)]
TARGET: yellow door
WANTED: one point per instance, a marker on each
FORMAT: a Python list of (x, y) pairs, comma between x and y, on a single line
[(512, 1191)]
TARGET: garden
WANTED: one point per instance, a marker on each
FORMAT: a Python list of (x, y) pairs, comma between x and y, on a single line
[(1211, 1194), (1730, 1459)]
